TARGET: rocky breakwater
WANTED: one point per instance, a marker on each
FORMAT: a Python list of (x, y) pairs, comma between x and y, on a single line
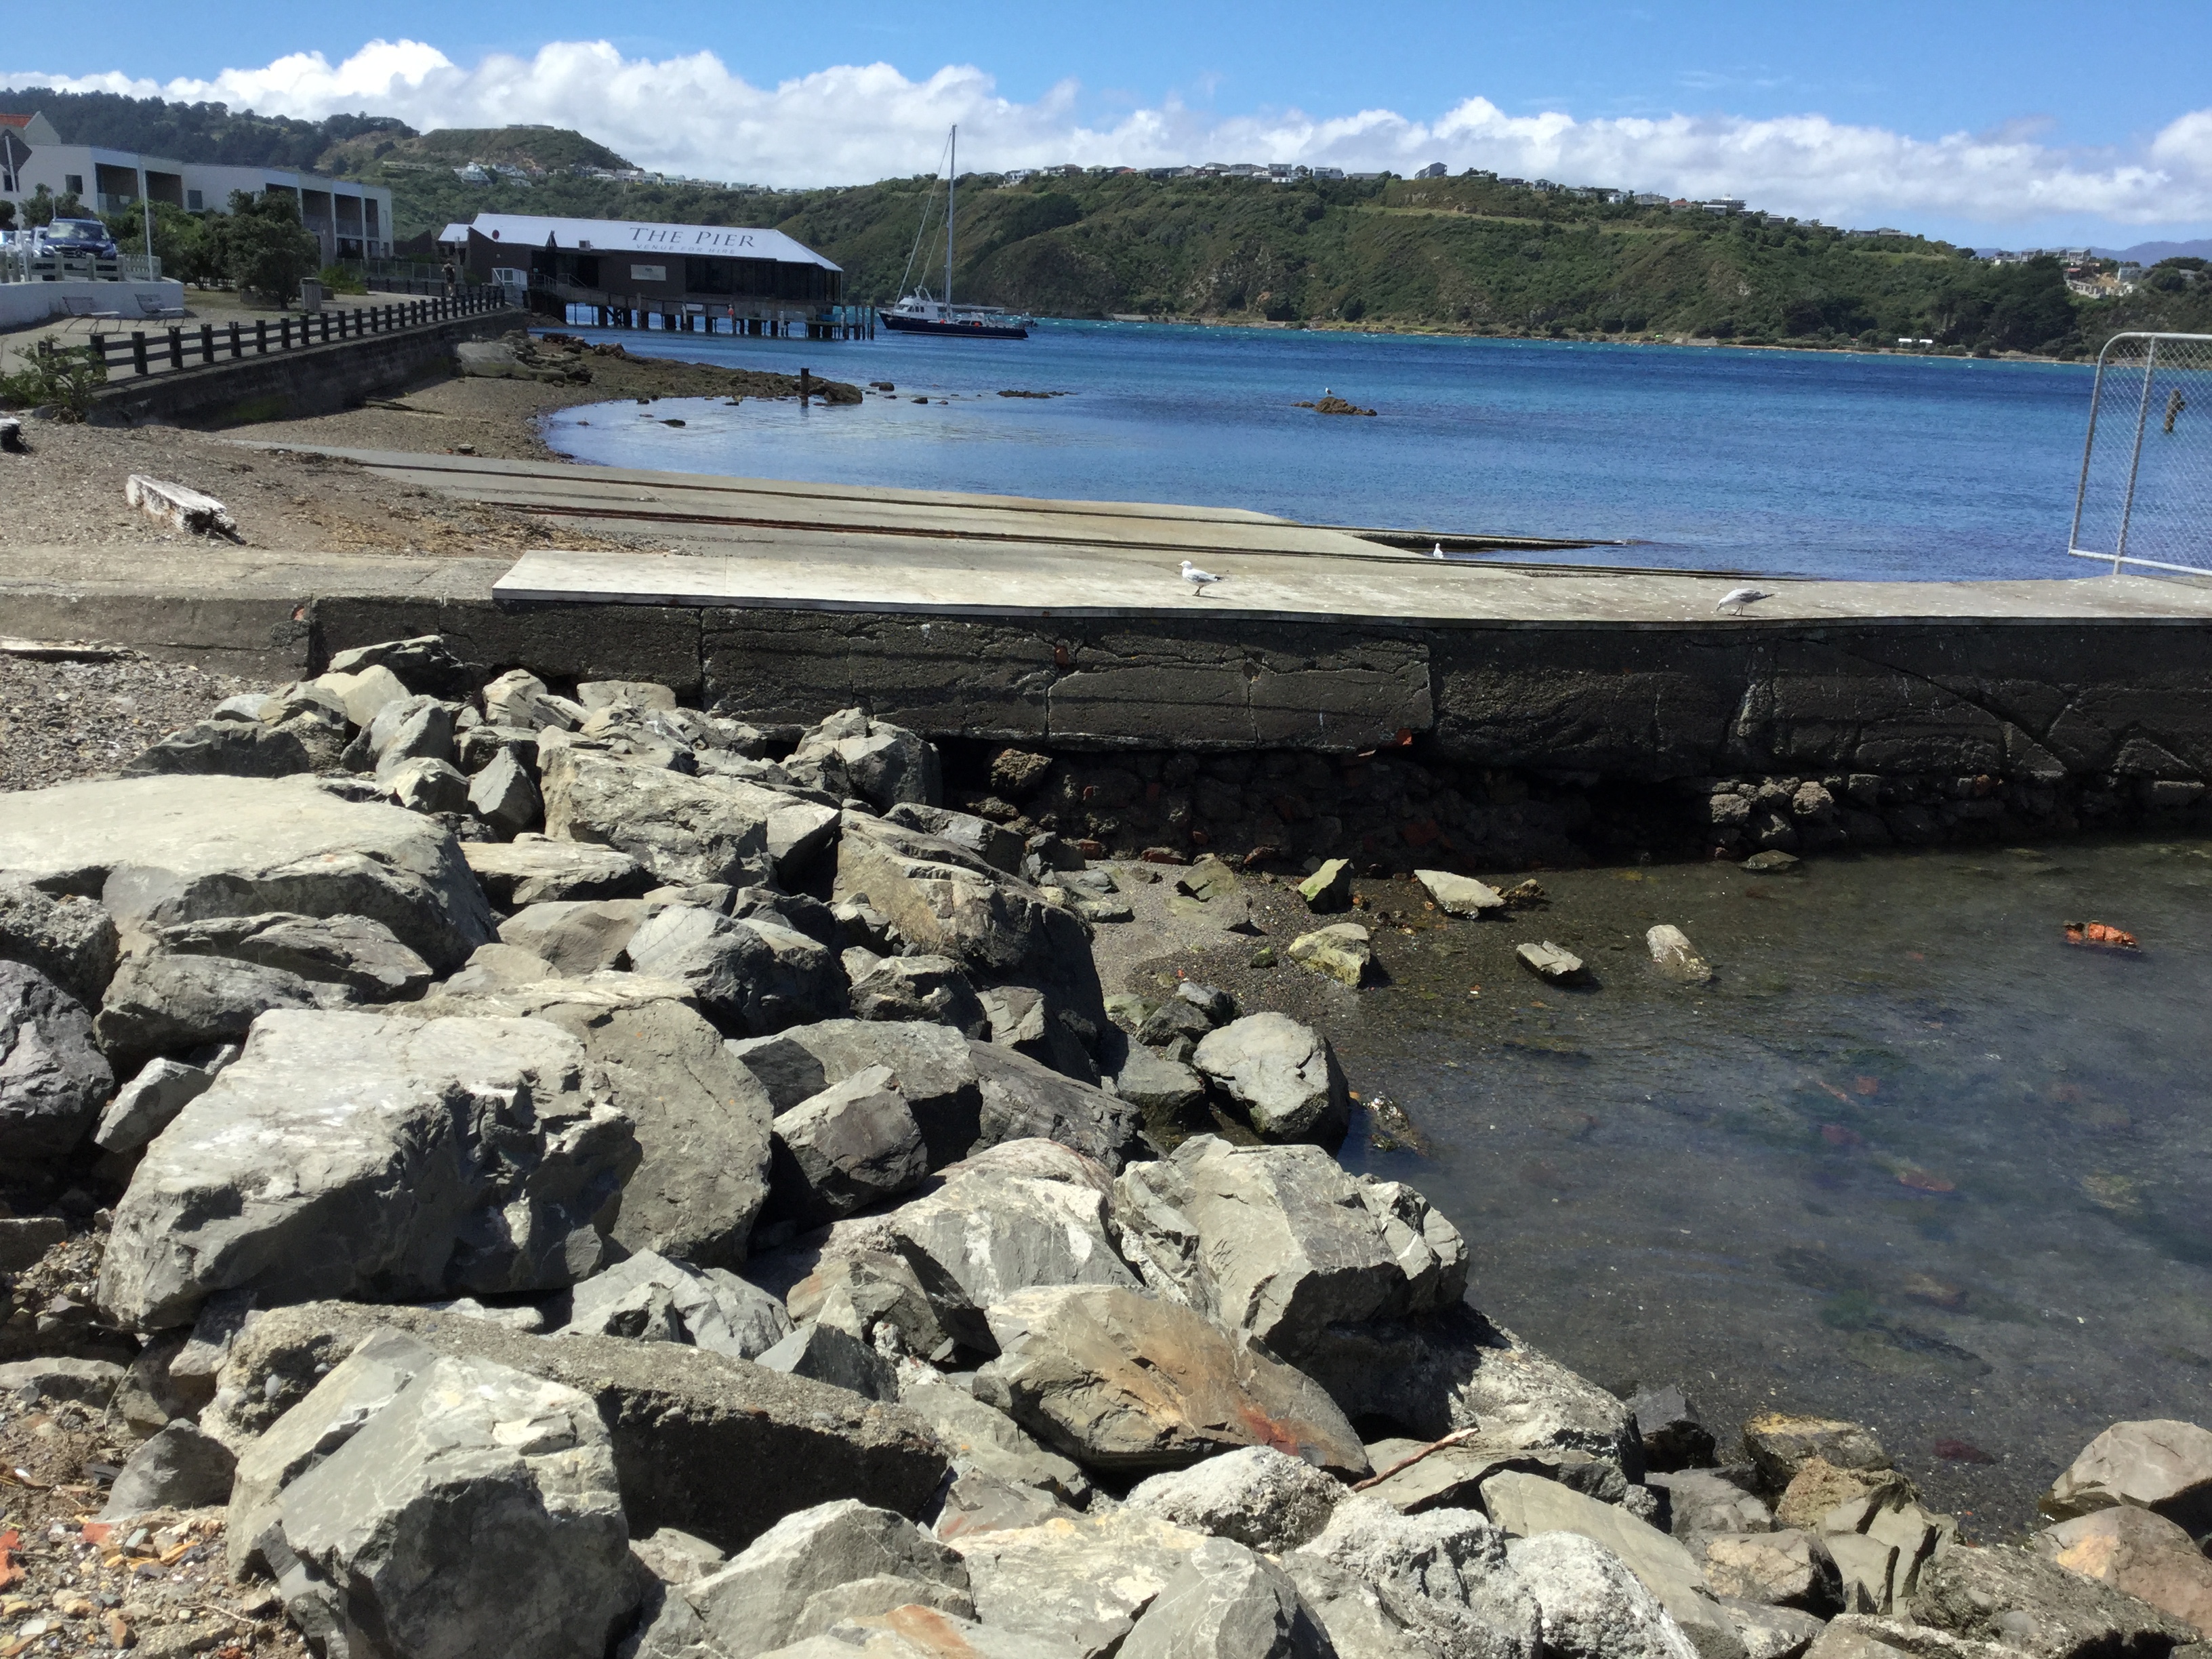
[(501, 1170)]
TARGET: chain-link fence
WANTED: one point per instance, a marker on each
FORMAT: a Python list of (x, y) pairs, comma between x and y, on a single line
[(2146, 491)]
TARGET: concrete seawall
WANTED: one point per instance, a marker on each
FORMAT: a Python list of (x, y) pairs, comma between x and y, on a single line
[(2115, 678), (315, 379)]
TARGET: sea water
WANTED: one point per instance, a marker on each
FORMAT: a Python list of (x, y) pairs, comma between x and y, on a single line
[(1706, 458), (1909, 1157)]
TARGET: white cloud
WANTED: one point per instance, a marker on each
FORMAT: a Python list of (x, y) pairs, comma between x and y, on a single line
[(853, 122)]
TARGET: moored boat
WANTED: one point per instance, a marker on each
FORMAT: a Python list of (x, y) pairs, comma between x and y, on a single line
[(919, 312)]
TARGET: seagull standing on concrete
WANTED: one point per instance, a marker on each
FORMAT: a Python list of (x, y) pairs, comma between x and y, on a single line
[(1736, 598), (1199, 579), (1437, 551)]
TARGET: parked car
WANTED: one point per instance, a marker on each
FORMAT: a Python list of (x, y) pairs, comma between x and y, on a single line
[(79, 239)]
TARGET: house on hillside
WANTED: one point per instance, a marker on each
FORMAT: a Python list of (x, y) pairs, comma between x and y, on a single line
[(352, 221)]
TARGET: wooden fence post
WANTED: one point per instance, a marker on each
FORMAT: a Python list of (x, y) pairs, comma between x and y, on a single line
[(138, 351)]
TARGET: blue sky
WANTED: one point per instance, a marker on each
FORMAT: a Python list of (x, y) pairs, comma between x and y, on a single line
[(1985, 122)]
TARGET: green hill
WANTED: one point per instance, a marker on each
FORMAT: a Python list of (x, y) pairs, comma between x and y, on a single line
[(1466, 254)]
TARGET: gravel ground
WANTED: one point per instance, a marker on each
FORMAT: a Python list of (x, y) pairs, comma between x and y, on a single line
[(68, 485), (65, 720), (71, 1583)]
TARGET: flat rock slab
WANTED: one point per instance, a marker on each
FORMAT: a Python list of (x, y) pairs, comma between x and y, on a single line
[(1458, 895), (171, 849), (517, 872), (2159, 1464), (1121, 1381), (714, 1446), (1548, 960)]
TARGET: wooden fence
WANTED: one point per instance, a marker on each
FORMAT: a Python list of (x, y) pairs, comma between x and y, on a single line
[(145, 353)]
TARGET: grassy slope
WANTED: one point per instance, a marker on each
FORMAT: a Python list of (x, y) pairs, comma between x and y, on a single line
[(1452, 253)]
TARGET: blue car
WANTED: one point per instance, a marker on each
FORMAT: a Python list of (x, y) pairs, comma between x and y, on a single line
[(85, 238)]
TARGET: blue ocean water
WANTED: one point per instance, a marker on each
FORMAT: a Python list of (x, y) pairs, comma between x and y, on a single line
[(1713, 458)]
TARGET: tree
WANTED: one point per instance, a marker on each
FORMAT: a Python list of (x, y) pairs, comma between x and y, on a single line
[(265, 248), (7, 215), (40, 209)]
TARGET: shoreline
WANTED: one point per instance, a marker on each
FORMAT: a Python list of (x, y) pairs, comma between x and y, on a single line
[(545, 936)]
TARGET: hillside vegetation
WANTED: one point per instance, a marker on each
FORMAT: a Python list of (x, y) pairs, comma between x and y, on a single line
[(1462, 254)]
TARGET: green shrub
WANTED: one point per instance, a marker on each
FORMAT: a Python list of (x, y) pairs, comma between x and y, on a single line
[(64, 376), (341, 279)]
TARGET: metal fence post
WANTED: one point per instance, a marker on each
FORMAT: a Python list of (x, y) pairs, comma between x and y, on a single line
[(2135, 462)]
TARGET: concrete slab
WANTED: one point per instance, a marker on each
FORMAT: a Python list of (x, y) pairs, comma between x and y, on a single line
[(894, 576)]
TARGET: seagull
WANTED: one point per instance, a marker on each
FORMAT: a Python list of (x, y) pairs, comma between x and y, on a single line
[(1437, 551), (1199, 579), (1736, 598)]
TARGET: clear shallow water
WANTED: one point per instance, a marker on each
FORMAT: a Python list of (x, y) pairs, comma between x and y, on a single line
[(1780, 462), (1910, 1159)]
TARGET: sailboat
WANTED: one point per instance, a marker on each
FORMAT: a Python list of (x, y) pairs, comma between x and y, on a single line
[(919, 312)]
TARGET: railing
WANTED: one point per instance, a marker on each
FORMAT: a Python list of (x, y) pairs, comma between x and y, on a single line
[(144, 353), (2145, 497), (49, 264)]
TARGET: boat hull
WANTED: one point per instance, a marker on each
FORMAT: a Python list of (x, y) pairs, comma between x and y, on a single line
[(898, 324)]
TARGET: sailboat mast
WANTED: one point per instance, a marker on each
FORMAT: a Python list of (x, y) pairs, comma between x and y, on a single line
[(952, 183)]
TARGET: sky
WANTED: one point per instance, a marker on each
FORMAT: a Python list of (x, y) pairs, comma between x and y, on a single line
[(1987, 121)]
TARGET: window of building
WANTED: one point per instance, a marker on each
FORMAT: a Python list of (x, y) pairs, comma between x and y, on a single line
[(194, 202), (73, 182), (708, 277)]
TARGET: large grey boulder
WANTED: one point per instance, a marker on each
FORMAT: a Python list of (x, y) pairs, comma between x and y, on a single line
[(417, 728), (479, 1512), (576, 937), (520, 872), (753, 977), (69, 939), (920, 988), (994, 1226), (2030, 1606), (1283, 1075), (158, 1003), (994, 843), (340, 1404), (178, 1468), (1156, 1086), (851, 1146), (53, 1078), (1031, 1023), (684, 828), (1593, 1607), (2160, 1464), (916, 1633), (1077, 1586), (427, 785), (2133, 1550), (1456, 1369), (683, 1419), (1431, 1586), (1259, 1496), (933, 1064), (872, 1295), (829, 1355), (1022, 1099), (1529, 1506), (244, 749), (87, 1382), (424, 663), (357, 1154), (945, 901), (171, 849), (503, 794), (143, 1107), (353, 952), (981, 1437), (850, 754), (1227, 1603), (701, 1119), (651, 1297), (811, 1570), (1123, 1382), (1280, 1243)]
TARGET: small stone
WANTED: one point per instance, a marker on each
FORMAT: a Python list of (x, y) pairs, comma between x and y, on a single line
[(1548, 961), (1675, 957), (1458, 895), (179, 1468), (1772, 862), (1328, 888), (429, 785), (1674, 1436), (1819, 1486), (1342, 951), (1774, 1568)]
